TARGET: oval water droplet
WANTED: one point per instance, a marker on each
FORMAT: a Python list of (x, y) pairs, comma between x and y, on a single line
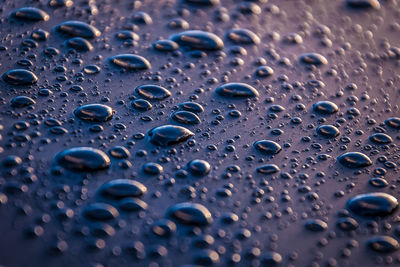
[(236, 90), (373, 204), (83, 159), (191, 106), (328, 131), (325, 107), (20, 77), (199, 167), (354, 160), (383, 244), (362, 4), (79, 44), (94, 113), (196, 39), (167, 135), (185, 117), (165, 45), (76, 28), (243, 36), (267, 147), (100, 212), (30, 14), (393, 122), (313, 59), (153, 92), (122, 188), (380, 138), (22, 101), (268, 169), (130, 62), (190, 214)]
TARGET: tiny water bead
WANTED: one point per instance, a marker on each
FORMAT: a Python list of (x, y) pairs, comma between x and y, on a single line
[(20, 77), (236, 90), (130, 62), (83, 159), (373, 204), (196, 39), (354, 160), (190, 214), (168, 135), (94, 113)]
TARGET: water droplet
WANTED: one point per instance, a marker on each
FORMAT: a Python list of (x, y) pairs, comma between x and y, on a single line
[(191, 106), (243, 36), (167, 135), (22, 101), (383, 243), (199, 167), (393, 122), (130, 62), (267, 147), (268, 169), (83, 159), (373, 204), (190, 214), (122, 188), (236, 90), (316, 225), (30, 14), (94, 113), (380, 138), (100, 212), (153, 92), (165, 45), (313, 59), (328, 131), (79, 44), (198, 40), (185, 117), (325, 107), (76, 28), (363, 4), (20, 77), (354, 160)]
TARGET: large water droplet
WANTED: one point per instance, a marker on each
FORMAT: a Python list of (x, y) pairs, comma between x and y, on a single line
[(30, 14), (354, 160), (236, 90), (185, 117), (122, 188), (83, 159), (130, 62), (94, 113), (20, 77), (267, 147), (190, 213), (167, 135), (373, 204), (75, 28), (153, 92), (383, 243), (198, 40)]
